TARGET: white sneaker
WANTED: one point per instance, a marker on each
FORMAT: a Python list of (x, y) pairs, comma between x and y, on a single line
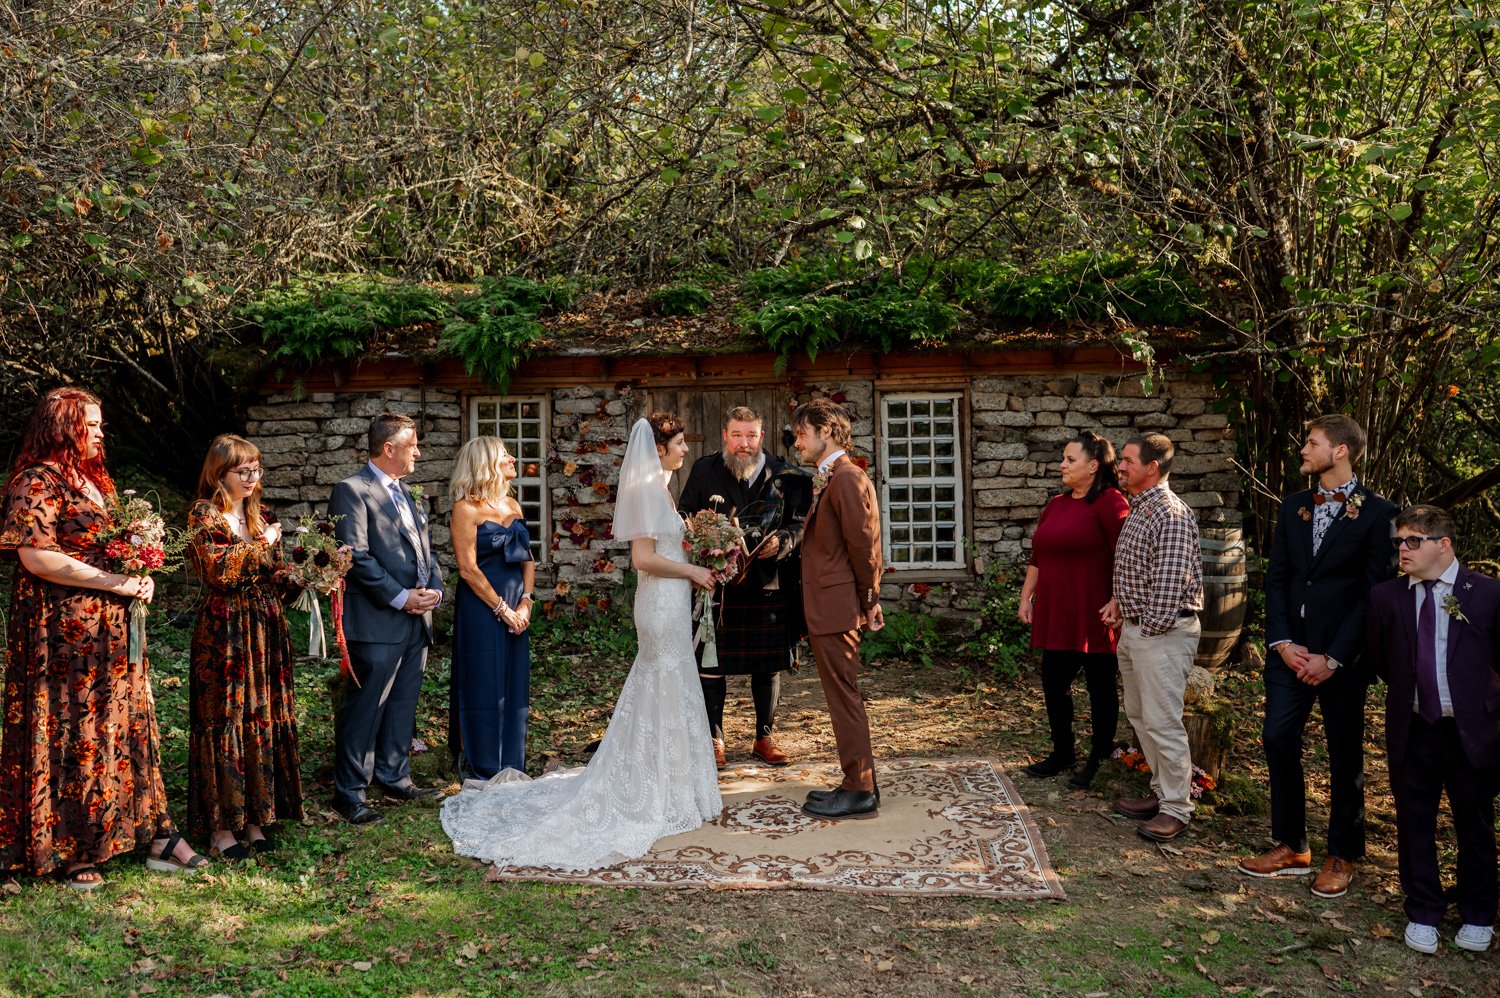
[(1475, 937), (1422, 938)]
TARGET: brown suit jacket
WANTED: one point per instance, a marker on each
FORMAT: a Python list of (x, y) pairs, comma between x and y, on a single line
[(841, 562)]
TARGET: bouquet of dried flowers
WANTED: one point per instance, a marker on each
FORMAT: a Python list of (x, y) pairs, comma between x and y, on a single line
[(139, 542), (716, 542), (318, 564)]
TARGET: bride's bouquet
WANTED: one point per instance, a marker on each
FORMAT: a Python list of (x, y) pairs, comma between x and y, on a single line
[(139, 542), (716, 542), (318, 564)]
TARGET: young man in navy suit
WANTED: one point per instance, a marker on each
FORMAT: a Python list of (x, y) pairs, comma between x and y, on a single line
[(1332, 543), (1434, 637)]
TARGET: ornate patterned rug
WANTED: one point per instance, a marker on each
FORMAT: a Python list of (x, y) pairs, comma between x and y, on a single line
[(946, 827)]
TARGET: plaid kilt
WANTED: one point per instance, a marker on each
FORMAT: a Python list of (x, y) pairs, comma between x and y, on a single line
[(753, 630)]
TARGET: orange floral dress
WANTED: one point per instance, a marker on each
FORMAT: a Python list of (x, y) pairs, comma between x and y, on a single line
[(80, 760), (243, 758)]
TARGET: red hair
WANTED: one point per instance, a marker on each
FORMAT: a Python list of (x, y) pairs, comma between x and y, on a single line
[(57, 435)]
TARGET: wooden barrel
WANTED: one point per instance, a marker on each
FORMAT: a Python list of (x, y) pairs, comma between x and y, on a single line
[(1225, 593)]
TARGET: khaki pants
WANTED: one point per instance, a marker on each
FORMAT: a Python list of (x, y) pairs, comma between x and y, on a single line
[(1153, 673)]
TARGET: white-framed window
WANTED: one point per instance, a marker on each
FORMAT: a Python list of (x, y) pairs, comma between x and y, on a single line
[(522, 423), (921, 480)]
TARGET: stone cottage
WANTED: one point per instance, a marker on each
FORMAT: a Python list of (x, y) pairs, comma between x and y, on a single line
[(962, 444)]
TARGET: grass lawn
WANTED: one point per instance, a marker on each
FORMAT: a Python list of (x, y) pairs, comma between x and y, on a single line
[(387, 909)]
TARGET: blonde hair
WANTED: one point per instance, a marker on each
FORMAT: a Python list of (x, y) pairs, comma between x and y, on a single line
[(476, 471)]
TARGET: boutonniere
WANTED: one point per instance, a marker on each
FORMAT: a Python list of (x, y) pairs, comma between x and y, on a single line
[(1455, 610), (1305, 513), (1352, 505), (820, 482), (418, 494)]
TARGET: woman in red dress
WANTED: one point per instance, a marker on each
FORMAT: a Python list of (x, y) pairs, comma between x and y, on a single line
[(1067, 581), (243, 759), (80, 761)]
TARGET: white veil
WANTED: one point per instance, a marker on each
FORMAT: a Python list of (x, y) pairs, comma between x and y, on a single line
[(643, 507)]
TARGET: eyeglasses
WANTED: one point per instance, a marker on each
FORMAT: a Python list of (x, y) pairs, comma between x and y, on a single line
[(1411, 543), (248, 475)]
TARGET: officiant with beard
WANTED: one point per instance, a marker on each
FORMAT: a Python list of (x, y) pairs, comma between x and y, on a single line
[(758, 616)]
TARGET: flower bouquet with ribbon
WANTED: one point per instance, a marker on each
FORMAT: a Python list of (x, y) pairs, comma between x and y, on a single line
[(318, 564), (716, 542), (139, 542)]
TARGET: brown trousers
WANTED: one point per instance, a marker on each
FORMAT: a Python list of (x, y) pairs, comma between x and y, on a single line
[(837, 656)]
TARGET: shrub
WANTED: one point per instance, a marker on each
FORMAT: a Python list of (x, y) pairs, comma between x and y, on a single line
[(911, 637), (999, 637)]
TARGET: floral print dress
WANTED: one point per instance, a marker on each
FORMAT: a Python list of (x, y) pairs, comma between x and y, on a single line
[(244, 760), (80, 762)]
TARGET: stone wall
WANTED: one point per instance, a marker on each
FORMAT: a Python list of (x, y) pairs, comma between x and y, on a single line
[(309, 444), (1017, 431)]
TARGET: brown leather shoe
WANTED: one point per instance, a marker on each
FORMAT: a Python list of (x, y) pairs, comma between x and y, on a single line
[(719, 761), (1279, 862), (1162, 828), (1333, 881), (766, 751), (1139, 808)]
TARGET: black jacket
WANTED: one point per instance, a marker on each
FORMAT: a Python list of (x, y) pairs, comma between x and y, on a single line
[(776, 501), (1334, 587)]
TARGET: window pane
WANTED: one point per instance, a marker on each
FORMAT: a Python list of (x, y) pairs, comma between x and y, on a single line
[(923, 480)]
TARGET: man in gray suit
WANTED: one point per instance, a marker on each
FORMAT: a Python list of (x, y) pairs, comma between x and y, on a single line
[(393, 588)]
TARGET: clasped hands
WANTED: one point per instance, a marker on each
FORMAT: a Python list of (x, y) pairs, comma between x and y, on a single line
[(1311, 669), (420, 601), (516, 619)]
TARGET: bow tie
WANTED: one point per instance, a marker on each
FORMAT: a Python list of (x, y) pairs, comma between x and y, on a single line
[(1322, 497)]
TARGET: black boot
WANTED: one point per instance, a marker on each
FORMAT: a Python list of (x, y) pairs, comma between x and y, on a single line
[(1051, 766), (1083, 777)]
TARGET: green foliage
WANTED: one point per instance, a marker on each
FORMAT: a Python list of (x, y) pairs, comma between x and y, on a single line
[(999, 637), (681, 299), (322, 318), (490, 329), (910, 637), (1088, 287), (811, 305)]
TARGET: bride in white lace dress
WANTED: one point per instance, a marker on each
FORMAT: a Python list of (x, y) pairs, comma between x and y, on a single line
[(653, 774)]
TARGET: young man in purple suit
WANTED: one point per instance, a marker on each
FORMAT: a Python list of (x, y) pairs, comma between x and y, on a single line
[(1434, 637)]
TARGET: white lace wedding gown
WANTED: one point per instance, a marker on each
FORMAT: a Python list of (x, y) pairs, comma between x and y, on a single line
[(652, 776)]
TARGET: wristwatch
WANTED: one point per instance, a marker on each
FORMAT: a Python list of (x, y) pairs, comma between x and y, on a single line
[(525, 596), (1332, 663)]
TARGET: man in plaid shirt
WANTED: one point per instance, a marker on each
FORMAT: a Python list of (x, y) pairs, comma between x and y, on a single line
[(1158, 591)]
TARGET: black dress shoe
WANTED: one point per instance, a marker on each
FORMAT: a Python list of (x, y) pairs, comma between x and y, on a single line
[(409, 792), (821, 795), (843, 804), (1050, 766), (356, 812)]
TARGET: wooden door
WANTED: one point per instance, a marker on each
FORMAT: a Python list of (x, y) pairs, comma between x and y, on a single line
[(702, 412)]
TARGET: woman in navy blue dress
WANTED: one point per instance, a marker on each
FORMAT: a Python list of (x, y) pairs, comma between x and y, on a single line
[(490, 694)]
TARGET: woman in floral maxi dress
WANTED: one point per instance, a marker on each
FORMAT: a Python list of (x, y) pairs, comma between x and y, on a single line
[(80, 763), (243, 769)]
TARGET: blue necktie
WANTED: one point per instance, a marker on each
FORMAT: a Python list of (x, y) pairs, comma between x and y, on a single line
[(410, 526), (1428, 704)]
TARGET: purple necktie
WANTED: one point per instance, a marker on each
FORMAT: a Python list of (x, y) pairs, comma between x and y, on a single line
[(1428, 704)]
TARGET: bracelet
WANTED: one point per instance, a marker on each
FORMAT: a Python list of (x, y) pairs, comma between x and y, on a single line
[(500, 608)]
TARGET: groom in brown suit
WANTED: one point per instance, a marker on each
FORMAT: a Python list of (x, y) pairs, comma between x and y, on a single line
[(841, 568)]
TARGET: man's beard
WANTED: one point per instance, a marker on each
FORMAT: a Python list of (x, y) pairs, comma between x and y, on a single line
[(1312, 470), (741, 467)]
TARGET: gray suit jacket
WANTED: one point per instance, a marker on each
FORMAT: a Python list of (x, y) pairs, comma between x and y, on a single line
[(384, 561)]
